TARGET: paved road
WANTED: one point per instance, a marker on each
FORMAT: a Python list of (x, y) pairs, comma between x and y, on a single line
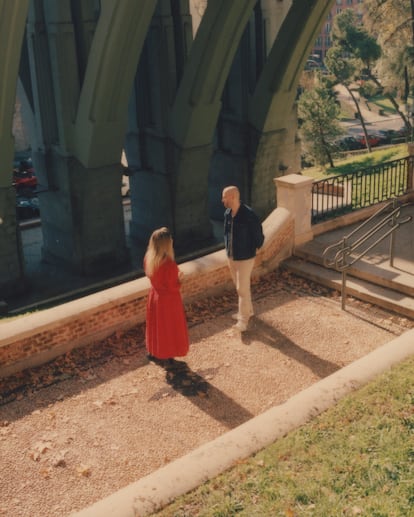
[(373, 119), (48, 281)]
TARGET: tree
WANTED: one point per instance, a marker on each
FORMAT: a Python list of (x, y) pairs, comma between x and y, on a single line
[(318, 111), (356, 43), (391, 22), (343, 69)]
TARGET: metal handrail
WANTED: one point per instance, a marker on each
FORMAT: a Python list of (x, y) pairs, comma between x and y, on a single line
[(345, 248)]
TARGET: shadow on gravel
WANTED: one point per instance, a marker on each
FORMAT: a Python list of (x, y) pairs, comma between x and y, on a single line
[(188, 383), (80, 369), (271, 337)]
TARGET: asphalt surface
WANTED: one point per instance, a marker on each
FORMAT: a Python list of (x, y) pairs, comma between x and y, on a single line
[(373, 120), (50, 284)]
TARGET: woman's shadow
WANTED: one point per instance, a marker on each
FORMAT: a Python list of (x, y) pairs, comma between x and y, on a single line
[(182, 380)]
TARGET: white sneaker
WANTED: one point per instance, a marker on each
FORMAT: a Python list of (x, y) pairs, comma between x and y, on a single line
[(237, 317), (242, 327)]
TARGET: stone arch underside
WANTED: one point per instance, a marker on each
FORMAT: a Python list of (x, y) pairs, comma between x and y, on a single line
[(195, 113), (82, 213), (167, 46), (101, 119), (271, 111), (12, 25), (82, 154), (272, 107), (170, 156)]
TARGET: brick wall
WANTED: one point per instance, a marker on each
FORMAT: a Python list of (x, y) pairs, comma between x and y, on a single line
[(36, 338)]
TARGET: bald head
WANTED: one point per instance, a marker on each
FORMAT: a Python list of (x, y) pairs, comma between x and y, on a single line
[(231, 198)]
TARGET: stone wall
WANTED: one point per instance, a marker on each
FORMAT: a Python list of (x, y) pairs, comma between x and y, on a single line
[(11, 257), (21, 134), (36, 338)]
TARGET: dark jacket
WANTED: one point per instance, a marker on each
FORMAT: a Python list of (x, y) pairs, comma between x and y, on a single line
[(247, 233)]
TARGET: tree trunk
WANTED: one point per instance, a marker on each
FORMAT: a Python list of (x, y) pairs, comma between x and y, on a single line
[(329, 156), (327, 151), (361, 118), (405, 119)]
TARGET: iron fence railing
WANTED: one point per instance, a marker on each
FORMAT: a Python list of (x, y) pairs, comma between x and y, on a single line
[(347, 192)]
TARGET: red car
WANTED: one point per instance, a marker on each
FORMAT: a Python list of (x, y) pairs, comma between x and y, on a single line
[(24, 175), (24, 179), (372, 139)]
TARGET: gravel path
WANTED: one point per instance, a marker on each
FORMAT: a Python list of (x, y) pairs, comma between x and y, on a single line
[(95, 420)]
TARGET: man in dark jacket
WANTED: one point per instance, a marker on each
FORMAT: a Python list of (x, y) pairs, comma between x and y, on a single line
[(243, 235)]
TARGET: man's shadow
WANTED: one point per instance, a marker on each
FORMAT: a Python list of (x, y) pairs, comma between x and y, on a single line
[(268, 335), (182, 380)]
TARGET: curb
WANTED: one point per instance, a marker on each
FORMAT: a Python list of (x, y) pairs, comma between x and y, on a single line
[(153, 492)]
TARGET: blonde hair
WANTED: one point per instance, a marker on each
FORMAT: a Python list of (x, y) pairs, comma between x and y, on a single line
[(160, 247)]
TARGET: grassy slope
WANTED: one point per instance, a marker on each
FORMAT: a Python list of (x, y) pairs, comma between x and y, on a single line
[(355, 459), (357, 162)]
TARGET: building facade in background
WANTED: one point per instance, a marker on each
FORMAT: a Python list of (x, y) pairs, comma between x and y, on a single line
[(324, 41)]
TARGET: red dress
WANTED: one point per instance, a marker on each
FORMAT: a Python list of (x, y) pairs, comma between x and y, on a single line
[(166, 333)]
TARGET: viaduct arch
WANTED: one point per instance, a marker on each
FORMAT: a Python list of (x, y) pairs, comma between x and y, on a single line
[(195, 108)]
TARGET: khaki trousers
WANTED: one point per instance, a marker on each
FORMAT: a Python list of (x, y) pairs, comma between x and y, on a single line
[(241, 272)]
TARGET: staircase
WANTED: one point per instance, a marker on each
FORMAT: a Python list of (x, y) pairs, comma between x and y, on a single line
[(371, 278)]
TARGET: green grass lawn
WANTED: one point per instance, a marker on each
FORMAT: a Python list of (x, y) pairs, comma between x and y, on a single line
[(347, 112), (356, 459), (382, 102), (354, 163)]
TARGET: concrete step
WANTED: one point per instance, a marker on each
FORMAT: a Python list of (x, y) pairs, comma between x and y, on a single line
[(359, 288), (375, 269)]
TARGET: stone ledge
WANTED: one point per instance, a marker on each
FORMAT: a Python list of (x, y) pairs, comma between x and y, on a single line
[(36, 338), (48, 319)]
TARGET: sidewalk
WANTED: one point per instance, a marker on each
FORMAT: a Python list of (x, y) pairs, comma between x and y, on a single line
[(374, 121)]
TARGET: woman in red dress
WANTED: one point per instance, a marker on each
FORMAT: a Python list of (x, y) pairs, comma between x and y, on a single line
[(166, 333)]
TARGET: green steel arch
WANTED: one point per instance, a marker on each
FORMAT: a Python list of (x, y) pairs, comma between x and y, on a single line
[(113, 59), (12, 24), (274, 97), (83, 71)]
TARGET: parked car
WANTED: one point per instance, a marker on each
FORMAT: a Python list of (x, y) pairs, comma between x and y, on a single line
[(386, 136), (27, 208), (349, 143), (403, 132), (372, 139), (24, 179)]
